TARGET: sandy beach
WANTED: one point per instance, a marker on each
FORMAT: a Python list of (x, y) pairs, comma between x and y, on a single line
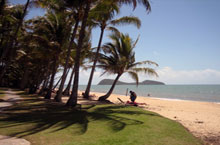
[(201, 118)]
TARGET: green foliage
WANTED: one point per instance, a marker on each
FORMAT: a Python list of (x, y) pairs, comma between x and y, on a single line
[(119, 57), (43, 122)]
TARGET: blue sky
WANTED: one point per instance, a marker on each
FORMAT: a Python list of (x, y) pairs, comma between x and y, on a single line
[(182, 36)]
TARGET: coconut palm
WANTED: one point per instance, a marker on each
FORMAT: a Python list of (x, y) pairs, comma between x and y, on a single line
[(85, 55), (77, 10), (145, 3), (72, 101), (8, 26), (88, 4), (102, 15), (119, 58), (11, 46), (53, 31)]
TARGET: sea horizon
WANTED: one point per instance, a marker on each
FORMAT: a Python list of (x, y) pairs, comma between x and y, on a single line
[(191, 92)]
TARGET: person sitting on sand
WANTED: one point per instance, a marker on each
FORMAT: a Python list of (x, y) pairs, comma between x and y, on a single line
[(133, 96)]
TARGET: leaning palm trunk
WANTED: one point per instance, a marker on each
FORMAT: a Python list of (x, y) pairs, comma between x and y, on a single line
[(86, 95), (58, 97), (45, 82), (60, 80), (103, 98), (73, 98), (48, 95), (67, 90), (43, 86)]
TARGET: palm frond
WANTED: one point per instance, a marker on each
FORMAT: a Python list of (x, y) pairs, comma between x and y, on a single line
[(148, 62), (134, 76), (136, 41), (113, 30), (149, 71), (146, 4), (127, 20)]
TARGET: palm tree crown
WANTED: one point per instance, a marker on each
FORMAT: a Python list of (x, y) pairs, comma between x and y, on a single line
[(119, 57), (102, 15)]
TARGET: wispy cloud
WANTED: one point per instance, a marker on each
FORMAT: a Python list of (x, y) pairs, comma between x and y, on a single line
[(167, 75), (172, 76)]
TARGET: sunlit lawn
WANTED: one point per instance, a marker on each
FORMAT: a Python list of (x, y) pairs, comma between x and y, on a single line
[(46, 123)]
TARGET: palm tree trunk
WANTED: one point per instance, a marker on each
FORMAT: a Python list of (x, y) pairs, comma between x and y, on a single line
[(24, 79), (45, 81), (43, 87), (60, 80), (3, 72), (48, 95), (58, 97), (2, 4), (73, 97), (86, 95), (57, 83), (103, 98), (67, 90)]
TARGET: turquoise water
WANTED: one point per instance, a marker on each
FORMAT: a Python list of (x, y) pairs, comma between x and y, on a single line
[(206, 93)]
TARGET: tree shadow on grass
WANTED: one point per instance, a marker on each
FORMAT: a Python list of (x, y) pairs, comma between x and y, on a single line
[(38, 115)]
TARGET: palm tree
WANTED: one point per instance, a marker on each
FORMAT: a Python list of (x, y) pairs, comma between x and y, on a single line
[(102, 16), (72, 101), (119, 58), (88, 3), (53, 31), (145, 3), (76, 7), (11, 46), (85, 55)]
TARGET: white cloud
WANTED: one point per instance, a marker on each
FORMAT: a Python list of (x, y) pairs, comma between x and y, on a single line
[(167, 75), (171, 76)]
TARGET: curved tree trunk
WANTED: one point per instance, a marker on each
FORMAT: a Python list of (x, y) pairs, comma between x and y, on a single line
[(43, 87), (54, 87), (45, 82), (86, 95), (67, 90), (60, 80), (48, 95), (103, 98), (72, 101), (58, 97)]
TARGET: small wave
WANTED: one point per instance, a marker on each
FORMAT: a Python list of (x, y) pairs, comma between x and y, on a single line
[(168, 99)]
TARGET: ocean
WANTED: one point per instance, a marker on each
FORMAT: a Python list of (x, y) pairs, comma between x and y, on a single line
[(204, 93)]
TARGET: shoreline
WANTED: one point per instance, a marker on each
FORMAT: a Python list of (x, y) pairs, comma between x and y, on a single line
[(168, 99), (202, 119)]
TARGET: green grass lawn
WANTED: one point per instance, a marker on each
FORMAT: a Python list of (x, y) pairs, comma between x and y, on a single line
[(46, 123), (1, 93)]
